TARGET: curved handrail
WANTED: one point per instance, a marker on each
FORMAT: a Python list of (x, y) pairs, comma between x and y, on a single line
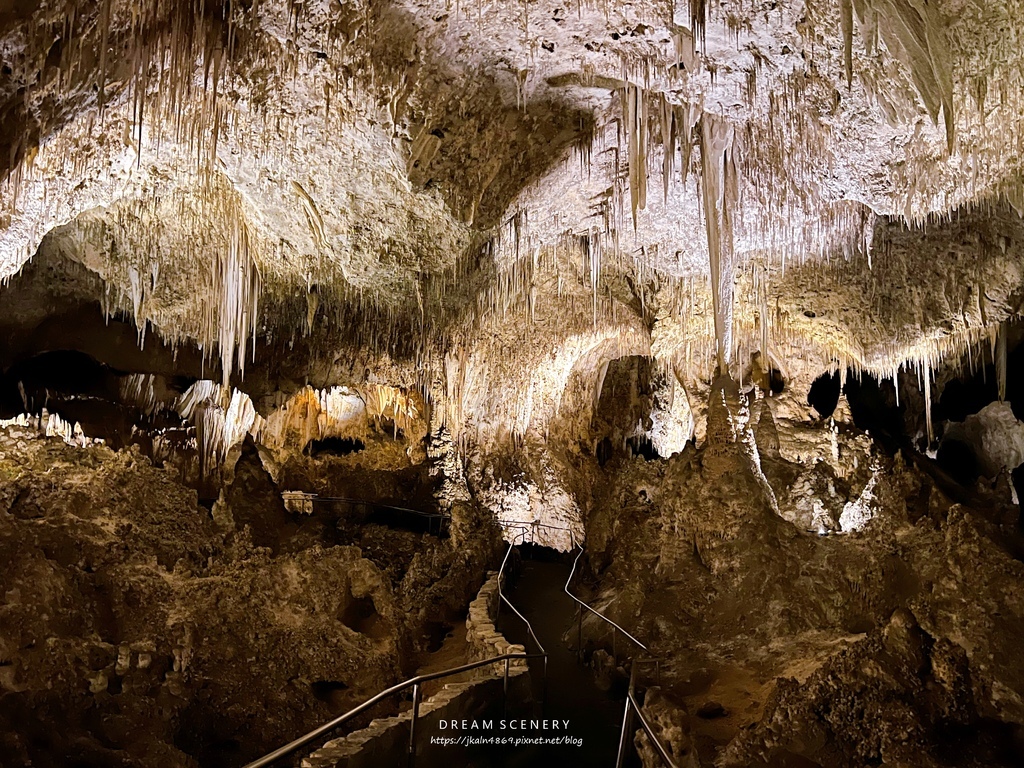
[(414, 683), (632, 705), (313, 735), (594, 610), (501, 594), (536, 524)]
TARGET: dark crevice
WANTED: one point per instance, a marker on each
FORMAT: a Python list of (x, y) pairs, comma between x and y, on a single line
[(334, 446), (642, 446), (959, 461), (824, 394), (327, 690), (873, 406)]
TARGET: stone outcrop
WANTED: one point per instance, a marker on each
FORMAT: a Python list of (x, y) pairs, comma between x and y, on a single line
[(384, 738), (735, 597), (125, 603)]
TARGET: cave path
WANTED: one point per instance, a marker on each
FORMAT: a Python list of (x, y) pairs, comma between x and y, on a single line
[(594, 715)]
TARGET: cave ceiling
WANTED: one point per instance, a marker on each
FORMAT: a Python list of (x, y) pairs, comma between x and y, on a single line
[(511, 176)]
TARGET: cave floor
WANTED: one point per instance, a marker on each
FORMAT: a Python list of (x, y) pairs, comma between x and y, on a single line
[(595, 715)]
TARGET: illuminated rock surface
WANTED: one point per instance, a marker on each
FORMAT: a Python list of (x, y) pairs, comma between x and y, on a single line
[(730, 292)]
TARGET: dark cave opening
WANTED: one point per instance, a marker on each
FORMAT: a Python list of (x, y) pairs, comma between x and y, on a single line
[(360, 614), (436, 633), (82, 389), (873, 406), (334, 446), (641, 446), (776, 381), (824, 394), (962, 397), (627, 396), (959, 461), (330, 692), (60, 372), (969, 392), (389, 428)]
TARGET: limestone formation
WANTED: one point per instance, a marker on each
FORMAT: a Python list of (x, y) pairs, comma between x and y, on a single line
[(305, 305)]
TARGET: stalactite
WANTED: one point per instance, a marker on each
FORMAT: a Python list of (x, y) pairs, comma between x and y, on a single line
[(913, 32), (669, 128), (698, 20), (634, 122), (927, 373), (846, 19), (719, 191), (313, 217)]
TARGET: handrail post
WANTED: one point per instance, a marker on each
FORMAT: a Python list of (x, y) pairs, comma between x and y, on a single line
[(627, 718), (544, 688), (504, 700), (579, 633), (412, 724), (620, 759)]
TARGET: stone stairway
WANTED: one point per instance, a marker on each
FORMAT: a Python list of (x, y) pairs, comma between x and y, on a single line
[(385, 741)]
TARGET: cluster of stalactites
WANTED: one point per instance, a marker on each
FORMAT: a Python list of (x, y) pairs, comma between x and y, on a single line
[(719, 183), (222, 417), (212, 226), (158, 44), (913, 32), (966, 352)]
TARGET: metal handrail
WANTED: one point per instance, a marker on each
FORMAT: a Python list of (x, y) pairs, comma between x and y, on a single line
[(501, 595), (662, 752), (633, 707), (536, 524), (370, 503), (631, 703), (414, 682), (594, 610), (533, 525), (529, 627)]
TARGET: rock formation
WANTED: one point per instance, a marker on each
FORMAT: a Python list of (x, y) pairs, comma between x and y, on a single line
[(728, 293)]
